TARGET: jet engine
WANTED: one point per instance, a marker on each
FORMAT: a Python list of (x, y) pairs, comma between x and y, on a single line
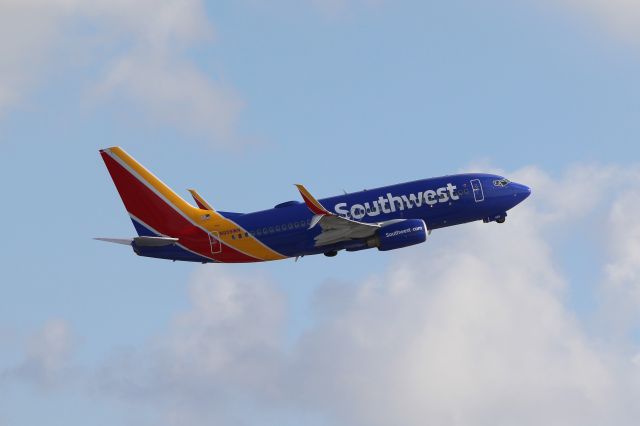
[(399, 234)]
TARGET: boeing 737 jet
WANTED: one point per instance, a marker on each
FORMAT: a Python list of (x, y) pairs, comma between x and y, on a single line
[(386, 218)]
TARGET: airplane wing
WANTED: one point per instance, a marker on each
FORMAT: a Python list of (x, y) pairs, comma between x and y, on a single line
[(334, 228)]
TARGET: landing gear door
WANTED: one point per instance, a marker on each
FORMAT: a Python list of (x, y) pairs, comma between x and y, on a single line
[(478, 193), (214, 239)]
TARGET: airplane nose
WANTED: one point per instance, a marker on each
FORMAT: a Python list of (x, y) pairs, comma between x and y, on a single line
[(522, 191)]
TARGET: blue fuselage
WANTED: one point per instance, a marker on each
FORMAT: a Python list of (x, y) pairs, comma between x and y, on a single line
[(440, 202)]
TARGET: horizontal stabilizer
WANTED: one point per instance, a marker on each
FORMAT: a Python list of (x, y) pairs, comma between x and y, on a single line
[(125, 241), (142, 241)]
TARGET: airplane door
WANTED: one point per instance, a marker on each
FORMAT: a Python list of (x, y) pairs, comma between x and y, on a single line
[(214, 240), (478, 193)]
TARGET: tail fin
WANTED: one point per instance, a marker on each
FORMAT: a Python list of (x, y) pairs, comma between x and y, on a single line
[(155, 209)]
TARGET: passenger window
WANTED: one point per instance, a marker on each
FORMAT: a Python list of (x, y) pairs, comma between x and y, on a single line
[(271, 230)]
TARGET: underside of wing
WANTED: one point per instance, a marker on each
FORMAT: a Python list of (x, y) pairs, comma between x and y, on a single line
[(334, 228)]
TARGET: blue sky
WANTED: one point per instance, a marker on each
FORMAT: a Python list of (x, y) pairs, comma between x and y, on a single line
[(241, 100)]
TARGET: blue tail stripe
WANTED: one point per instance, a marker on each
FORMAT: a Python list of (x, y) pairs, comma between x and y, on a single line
[(142, 230)]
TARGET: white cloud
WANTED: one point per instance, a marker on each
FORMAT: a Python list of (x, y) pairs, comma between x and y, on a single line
[(624, 231), (27, 31), (620, 17), (177, 93), (48, 356), (141, 49), (621, 294), (472, 331), (234, 325), (213, 357), (475, 336)]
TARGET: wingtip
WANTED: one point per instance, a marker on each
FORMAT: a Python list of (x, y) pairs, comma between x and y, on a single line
[(301, 188), (313, 204)]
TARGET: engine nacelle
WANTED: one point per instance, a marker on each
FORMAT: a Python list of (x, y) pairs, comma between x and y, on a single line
[(400, 234)]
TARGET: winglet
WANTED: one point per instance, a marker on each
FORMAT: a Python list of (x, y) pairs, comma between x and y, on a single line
[(199, 200), (313, 204)]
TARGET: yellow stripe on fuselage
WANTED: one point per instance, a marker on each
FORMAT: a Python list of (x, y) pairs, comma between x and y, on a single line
[(209, 220)]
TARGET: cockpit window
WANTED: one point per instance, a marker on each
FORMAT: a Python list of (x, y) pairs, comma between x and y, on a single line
[(501, 182)]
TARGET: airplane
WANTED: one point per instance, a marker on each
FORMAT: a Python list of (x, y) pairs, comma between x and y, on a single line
[(386, 218)]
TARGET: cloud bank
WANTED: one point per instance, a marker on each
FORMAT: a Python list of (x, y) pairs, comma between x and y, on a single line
[(139, 52), (474, 329), (48, 357)]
